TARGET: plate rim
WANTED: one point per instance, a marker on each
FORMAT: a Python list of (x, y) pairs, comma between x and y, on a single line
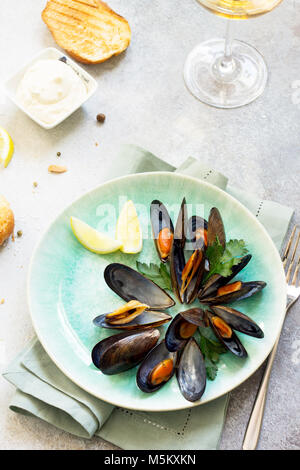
[(136, 175)]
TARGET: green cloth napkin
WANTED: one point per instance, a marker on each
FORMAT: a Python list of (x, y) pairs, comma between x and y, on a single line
[(45, 392)]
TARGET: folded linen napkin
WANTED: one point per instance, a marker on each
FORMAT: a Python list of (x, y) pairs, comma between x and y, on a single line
[(45, 392)]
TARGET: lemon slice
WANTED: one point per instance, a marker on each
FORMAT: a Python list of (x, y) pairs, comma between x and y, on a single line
[(128, 229), (6, 147), (93, 240)]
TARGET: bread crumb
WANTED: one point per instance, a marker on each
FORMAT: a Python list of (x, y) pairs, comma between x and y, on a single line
[(57, 169)]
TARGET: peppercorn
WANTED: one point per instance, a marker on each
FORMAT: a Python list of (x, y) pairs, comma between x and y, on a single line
[(100, 117)]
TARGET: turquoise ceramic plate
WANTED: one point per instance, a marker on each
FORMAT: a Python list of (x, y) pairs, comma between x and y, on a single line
[(67, 289)]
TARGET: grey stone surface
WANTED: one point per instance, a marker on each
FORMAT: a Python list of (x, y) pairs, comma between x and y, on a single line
[(144, 98)]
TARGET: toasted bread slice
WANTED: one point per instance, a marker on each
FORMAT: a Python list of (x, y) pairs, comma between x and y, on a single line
[(87, 29)]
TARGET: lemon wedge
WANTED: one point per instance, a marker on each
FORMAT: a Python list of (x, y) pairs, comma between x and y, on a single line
[(93, 240), (128, 229), (6, 147)]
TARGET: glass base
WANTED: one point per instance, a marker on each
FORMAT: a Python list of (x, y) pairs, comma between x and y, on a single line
[(221, 82)]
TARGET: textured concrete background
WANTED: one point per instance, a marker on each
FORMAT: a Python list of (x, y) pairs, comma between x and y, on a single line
[(146, 103)]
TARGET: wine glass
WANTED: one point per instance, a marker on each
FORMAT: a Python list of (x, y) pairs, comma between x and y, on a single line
[(227, 73)]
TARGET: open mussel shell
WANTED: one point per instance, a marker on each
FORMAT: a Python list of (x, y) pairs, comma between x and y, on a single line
[(196, 316), (147, 319), (215, 229), (193, 284), (178, 333), (226, 335), (197, 230), (216, 280), (156, 369), (236, 291), (238, 321), (196, 265), (191, 372), (177, 259), (130, 284), (162, 228), (123, 351), (177, 264)]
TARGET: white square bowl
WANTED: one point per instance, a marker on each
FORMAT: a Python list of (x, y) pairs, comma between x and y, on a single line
[(11, 84)]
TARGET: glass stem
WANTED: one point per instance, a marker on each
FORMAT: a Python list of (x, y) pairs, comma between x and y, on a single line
[(228, 41), (226, 67)]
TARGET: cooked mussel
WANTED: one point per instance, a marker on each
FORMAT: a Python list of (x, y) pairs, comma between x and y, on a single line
[(147, 319), (131, 285), (192, 275), (194, 268), (156, 369), (216, 280), (123, 351), (226, 335), (162, 228), (238, 321), (191, 372), (197, 227), (178, 333), (196, 316), (236, 291), (177, 259), (215, 229), (186, 277), (126, 313)]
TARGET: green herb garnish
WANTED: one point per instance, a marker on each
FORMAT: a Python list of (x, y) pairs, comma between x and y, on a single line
[(222, 260), (156, 273), (211, 349)]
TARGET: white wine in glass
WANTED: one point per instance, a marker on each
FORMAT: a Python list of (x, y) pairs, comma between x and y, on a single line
[(227, 73)]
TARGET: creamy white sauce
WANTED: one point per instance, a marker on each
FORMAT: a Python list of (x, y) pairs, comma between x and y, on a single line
[(50, 89)]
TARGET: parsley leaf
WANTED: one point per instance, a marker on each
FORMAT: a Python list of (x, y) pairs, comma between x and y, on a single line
[(222, 260), (211, 369), (165, 275), (151, 270), (211, 349), (156, 273), (234, 250), (214, 253)]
